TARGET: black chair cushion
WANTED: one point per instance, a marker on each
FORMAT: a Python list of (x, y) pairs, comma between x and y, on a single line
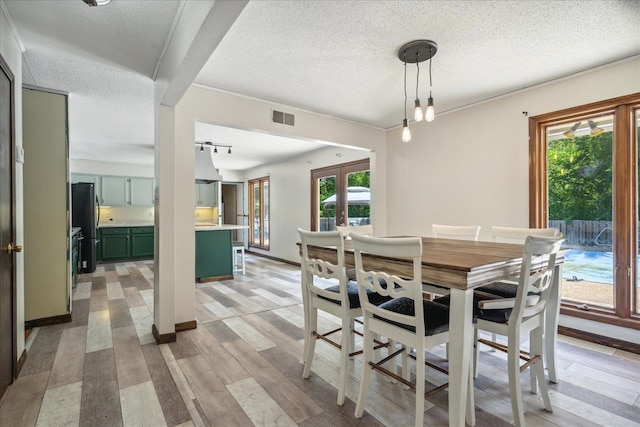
[(436, 316), (502, 289), (352, 292), (497, 316)]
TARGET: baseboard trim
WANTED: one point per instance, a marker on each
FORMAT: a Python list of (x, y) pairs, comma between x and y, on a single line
[(21, 360), (599, 339), (162, 338), (185, 326), (286, 261), (214, 279), (47, 321)]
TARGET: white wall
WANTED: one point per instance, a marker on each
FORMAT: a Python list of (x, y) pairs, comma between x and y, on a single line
[(10, 50), (290, 205), (106, 168), (471, 166), (290, 196)]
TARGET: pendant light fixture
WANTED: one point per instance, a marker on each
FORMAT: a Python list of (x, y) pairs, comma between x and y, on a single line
[(571, 133), (416, 52), (595, 130)]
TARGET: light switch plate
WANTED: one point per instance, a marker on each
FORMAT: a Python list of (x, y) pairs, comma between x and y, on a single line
[(20, 155)]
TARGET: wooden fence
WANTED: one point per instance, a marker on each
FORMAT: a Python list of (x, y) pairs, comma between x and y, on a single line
[(585, 233)]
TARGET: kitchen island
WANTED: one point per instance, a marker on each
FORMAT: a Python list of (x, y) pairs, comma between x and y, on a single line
[(214, 255)]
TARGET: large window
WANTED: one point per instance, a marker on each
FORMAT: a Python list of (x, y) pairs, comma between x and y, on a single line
[(340, 195), (259, 213), (584, 181)]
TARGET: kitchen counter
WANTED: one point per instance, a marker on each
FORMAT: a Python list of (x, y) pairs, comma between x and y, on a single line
[(126, 223), (221, 227)]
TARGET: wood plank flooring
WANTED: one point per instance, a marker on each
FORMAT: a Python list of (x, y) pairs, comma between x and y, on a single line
[(242, 366)]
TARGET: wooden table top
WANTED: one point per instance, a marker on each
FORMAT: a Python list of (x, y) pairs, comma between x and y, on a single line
[(451, 263)]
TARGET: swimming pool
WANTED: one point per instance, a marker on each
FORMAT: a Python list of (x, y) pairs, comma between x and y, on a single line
[(592, 266)]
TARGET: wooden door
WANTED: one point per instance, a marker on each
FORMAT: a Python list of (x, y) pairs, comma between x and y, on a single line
[(7, 268), (229, 200)]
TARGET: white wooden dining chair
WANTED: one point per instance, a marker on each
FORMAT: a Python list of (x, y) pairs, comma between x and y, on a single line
[(325, 287), (406, 319), (508, 288), (522, 314), (460, 232)]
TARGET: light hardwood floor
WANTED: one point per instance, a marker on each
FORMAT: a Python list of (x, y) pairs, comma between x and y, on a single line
[(242, 366)]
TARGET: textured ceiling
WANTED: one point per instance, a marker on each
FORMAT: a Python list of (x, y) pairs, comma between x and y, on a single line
[(340, 57), (333, 57)]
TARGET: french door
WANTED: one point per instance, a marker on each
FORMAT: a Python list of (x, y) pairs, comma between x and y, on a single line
[(340, 195), (584, 181)]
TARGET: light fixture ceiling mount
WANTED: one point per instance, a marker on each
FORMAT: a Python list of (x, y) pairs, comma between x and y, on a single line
[(97, 2)]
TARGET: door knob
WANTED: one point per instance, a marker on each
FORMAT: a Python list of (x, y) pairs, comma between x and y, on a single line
[(11, 248)]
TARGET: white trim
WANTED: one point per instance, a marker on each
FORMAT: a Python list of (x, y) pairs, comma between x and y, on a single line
[(599, 328), (167, 41), (12, 26)]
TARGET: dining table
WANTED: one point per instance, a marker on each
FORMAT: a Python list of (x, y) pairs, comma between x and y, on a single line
[(461, 266)]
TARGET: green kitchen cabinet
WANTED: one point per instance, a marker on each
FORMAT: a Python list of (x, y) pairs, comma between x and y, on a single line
[(213, 254), (142, 242), (141, 191), (115, 243), (125, 243)]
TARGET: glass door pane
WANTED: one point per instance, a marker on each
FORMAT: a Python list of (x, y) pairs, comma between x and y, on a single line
[(580, 174), (255, 235), (328, 201), (636, 298), (358, 198), (265, 213)]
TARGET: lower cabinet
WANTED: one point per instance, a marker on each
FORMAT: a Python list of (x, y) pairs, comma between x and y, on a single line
[(214, 258), (123, 243)]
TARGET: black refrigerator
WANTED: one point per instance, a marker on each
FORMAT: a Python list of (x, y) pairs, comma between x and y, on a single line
[(85, 213)]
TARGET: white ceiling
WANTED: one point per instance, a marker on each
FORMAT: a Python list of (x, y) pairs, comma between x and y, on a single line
[(332, 57)]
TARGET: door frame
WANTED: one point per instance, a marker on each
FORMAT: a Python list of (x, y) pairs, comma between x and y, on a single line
[(4, 66)]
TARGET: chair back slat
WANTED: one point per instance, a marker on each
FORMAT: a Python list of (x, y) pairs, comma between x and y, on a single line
[(322, 268), (460, 232), (346, 230), (389, 284), (518, 235), (533, 279)]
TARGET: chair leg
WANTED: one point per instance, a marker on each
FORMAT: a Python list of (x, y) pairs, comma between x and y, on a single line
[(513, 367), (393, 365), (352, 337), (311, 339), (367, 346), (471, 403), (476, 353), (420, 379), (406, 373), (538, 369), (494, 338), (345, 343), (533, 349)]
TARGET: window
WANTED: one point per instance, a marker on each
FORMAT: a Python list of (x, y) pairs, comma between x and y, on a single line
[(584, 181), (340, 195), (259, 213)]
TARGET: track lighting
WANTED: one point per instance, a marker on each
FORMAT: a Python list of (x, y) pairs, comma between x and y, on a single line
[(416, 52), (215, 146)]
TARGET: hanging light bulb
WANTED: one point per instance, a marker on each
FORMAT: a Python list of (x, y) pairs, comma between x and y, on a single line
[(201, 147), (595, 130), (215, 149), (571, 132), (229, 150), (418, 115), (431, 112), (406, 133)]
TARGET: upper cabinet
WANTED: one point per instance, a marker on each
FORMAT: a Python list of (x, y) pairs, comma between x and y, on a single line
[(142, 190), (114, 191), (120, 190), (207, 195)]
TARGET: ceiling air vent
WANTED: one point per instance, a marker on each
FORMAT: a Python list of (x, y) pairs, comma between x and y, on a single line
[(282, 118)]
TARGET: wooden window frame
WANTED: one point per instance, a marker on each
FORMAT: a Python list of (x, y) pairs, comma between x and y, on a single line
[(263, 230), (340, 171), (625, 213)]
